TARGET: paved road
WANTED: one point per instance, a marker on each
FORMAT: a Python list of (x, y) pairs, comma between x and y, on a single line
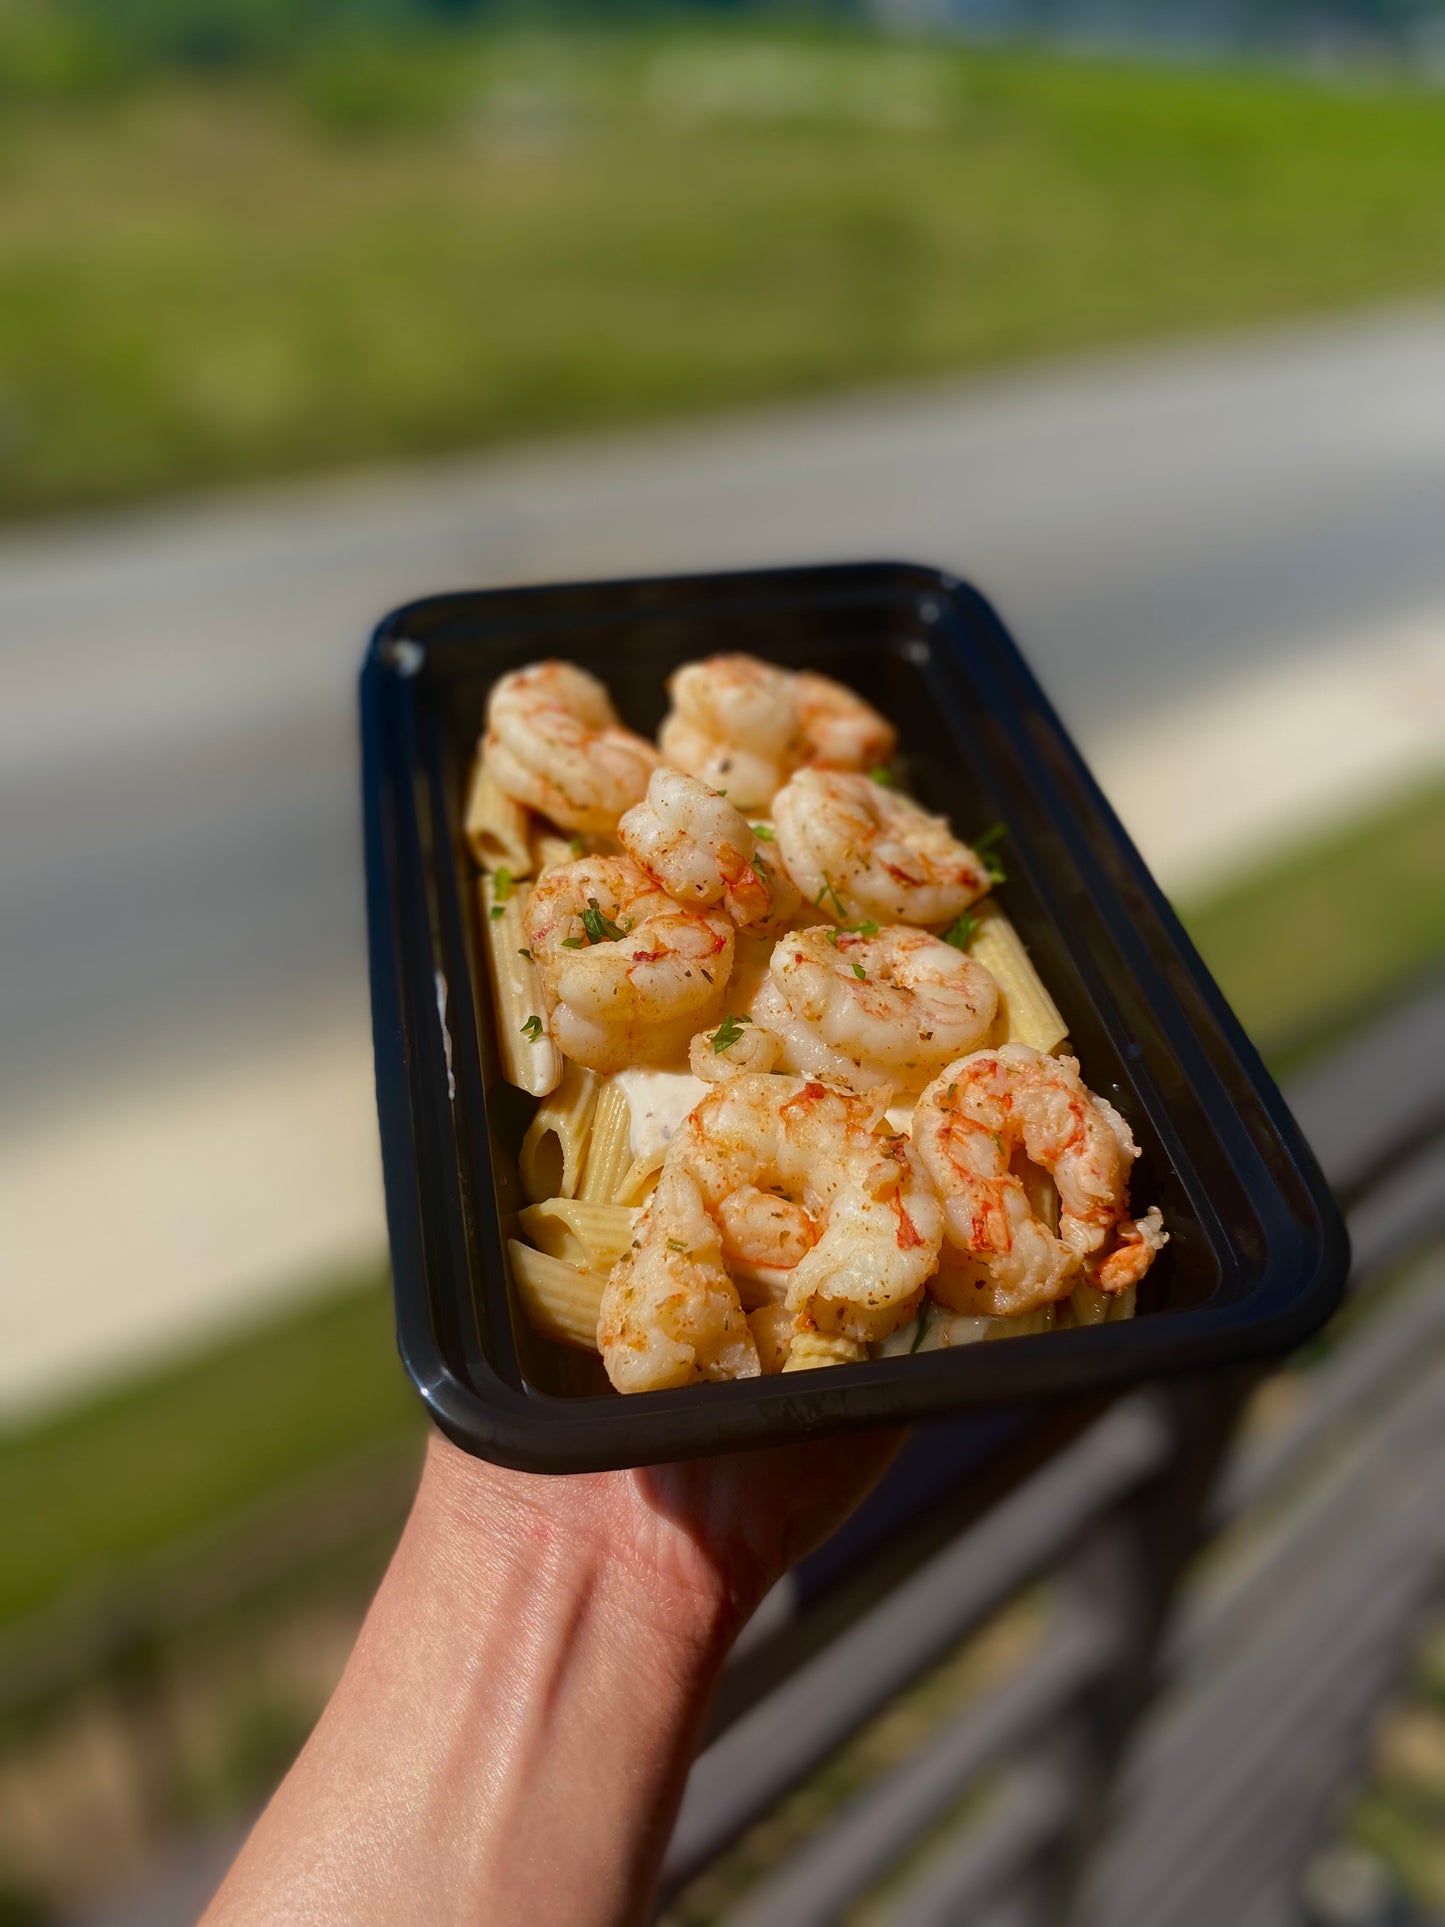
[(176, 753), (179, 881)]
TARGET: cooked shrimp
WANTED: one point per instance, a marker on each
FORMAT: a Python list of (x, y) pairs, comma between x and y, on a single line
[(760, 1228), (787, 902), (857, 849), (737, 1045), (871, 1006), (1002, 1259), (873, 1222), (744, 726), (670, 1314), (733, 725), (1140, 1240), (773, 1328), (697, 845), (553, 742), (628, 974), (840, 730)]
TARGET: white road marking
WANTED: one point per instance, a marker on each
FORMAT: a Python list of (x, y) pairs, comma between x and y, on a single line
[(1218, 784), (171, 1208)]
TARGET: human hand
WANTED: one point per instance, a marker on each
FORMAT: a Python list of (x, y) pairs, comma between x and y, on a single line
[(709, 1535), (511, 1735)]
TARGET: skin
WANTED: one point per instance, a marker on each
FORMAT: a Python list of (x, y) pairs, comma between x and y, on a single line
[(509, 1740)]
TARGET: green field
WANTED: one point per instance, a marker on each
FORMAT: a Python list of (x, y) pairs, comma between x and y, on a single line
[(381, 251), (1305, 947), (90, 1492)]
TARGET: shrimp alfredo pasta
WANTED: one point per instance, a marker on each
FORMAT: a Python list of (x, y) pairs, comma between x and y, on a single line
[(804, 1098)]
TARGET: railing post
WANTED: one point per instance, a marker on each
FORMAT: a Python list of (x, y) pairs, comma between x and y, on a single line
[(1125, 1574)]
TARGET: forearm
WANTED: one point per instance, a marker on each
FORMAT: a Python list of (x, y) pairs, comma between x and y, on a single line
[(510, 1735)]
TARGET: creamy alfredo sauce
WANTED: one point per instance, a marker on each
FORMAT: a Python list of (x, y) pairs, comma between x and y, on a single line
[(657, 1101)]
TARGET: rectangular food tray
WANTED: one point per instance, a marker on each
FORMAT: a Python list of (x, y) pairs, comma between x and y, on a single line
[(1257, 1253)]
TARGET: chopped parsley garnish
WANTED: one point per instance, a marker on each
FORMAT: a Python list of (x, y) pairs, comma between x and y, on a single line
[(524, 952), (868, 929), (830, 935), (676, 1244), (599, 927), (960, 932), (830, 890), (925, 1319), (986, 846), (532, 1028), (502, 884), (573, 943), (858, 971), (764, 833), (762, 869), (497, 910), (882, 776), (576, 846), (728, 1032)]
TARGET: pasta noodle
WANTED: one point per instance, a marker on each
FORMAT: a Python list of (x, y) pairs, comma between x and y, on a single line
[(1027, 1013), (561, 1301), (496, 828), (640, 1178), (810, 1349), (609, 1155), (1085, 1306), (1024, 1325), (591, 1235), (549, 849), (529, 1057), (554, 1149)]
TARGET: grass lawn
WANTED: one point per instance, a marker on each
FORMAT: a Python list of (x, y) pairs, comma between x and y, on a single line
[(1297, 948), (384, 253), (1303, 947), (85, 1494)]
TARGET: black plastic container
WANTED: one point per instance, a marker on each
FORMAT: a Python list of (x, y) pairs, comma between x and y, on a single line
[(1257, 1253)]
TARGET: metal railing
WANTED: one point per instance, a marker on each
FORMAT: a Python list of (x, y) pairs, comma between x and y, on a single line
[(1064, 1788), (1058, 1793)]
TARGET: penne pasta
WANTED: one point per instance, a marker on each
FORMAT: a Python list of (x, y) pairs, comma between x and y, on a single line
[(549, 849), (1024, 1325), (498, 831), (1027, 1013), (529, 1057), (810, 1349), (585, 1233), (554, 1149), (1040, 1190), (639, 1180), (609, 1154), (1101, 1307), (561, 1301)]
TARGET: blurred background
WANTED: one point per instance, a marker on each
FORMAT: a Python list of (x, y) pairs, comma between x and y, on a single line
[(1133, 313)]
